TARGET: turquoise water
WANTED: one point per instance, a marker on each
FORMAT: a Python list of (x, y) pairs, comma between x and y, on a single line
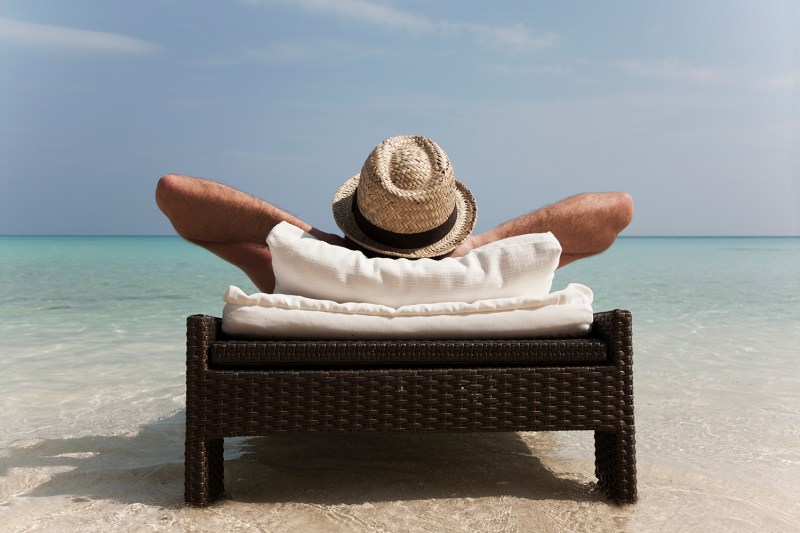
[(92, 337), (92, 330)]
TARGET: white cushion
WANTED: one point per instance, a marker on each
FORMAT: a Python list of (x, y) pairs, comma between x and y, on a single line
[(561, 313), (513, 267)]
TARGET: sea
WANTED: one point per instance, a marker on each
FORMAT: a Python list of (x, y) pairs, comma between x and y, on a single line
[(92, 392)]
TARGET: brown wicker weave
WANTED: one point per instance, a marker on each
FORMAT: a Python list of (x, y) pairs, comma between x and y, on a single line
[(240, 388)]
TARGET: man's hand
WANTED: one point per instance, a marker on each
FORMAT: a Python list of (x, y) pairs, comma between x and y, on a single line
[(469, 244)]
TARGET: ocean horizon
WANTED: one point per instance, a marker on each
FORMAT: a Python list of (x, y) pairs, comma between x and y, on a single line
[(92, 330)]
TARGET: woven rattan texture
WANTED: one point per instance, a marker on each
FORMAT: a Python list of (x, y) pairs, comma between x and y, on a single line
[(226, 402), (388, 353)]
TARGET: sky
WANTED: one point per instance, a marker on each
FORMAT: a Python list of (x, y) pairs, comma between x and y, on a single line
[(691, 107)]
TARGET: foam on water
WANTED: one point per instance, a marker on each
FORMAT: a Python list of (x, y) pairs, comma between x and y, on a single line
[(91, 406)]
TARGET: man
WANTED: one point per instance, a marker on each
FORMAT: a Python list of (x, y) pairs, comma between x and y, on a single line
[(404, 203)]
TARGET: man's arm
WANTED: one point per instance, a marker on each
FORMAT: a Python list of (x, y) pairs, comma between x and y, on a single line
[(585, 224), (227, 222), (234, 225)]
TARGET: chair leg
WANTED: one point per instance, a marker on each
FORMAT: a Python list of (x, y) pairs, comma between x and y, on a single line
[(615, 463), (204, 471)]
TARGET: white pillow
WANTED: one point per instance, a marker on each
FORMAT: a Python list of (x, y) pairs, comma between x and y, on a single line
[(513, 267), (567, 312)]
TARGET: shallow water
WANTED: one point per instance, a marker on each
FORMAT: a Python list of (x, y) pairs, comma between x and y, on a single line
[(91, 407)]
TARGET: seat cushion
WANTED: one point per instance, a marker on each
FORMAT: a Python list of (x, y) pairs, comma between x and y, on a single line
[(567, 312), (521, 266)]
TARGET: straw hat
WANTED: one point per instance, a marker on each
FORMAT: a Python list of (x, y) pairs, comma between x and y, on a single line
[(406, 202)]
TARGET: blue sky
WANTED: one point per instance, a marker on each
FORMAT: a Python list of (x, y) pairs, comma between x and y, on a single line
[(692, 107)]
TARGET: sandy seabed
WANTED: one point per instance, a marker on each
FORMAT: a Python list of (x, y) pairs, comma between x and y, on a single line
[(92, 420), (392, 483)]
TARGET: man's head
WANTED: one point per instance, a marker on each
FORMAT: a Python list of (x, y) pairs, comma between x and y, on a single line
[(406, 202)]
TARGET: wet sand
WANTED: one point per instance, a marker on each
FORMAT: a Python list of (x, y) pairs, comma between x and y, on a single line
[(452, 482)]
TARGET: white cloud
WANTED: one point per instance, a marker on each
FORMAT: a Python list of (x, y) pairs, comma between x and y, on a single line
[(517, 36), (785, 81), (292, 52), (530, 70), (514, 37), (284, 52), (60, 37), (370, 12), (672, 69)]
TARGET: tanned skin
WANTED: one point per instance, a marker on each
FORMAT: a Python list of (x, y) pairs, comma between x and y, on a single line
[(234, 225)]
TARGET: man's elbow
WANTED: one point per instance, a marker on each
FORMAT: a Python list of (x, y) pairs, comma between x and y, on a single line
[(623, 211), (168, 189), (619, 213)]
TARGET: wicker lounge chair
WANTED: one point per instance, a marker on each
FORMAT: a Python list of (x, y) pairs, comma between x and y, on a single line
[(239, 387)]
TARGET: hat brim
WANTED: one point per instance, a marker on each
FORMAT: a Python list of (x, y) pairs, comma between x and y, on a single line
[(466, 215)]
